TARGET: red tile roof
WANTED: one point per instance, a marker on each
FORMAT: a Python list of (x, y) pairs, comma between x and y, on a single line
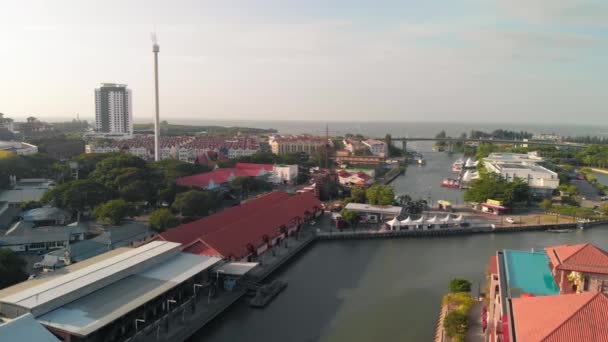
[(189, 233), (561, 318), (493, 265), (217, 176), (252, 166), (228, 232), (581, 258)]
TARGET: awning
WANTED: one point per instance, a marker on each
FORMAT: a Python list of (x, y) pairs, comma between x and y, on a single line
[(235, 268)]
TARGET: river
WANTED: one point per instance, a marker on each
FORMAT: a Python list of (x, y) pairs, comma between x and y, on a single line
[(377, 290)]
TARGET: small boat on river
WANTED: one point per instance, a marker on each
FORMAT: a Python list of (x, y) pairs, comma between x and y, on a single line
[(560, 230), (450, 183)]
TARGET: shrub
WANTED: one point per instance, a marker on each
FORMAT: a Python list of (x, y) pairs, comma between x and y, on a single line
[(459, 285)]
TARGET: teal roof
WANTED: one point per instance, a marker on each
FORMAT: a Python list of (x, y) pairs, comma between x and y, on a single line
[(25, 328)]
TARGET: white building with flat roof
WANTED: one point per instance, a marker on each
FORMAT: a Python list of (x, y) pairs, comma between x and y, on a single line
[(18, 147), (375, 213), (541, 180)]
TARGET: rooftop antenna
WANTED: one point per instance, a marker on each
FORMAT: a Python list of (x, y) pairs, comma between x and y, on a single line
[(155, 50)]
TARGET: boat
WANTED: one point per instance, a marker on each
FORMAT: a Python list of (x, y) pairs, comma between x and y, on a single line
[(560, 230), (266, 293), (420, 161), (450, 183), (458, 166)]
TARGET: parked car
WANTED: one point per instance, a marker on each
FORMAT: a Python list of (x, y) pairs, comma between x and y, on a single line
[(510, 220)]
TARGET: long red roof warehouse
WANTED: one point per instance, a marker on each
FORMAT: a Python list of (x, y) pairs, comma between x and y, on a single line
[(228, 233)]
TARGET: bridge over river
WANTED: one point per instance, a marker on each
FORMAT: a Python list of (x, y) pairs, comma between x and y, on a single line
[(451, 141)]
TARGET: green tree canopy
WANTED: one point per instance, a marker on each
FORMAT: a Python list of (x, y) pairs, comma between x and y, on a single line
[(114, 211), (350, 216), (194, 203), (492, 186), (77, 195), (162, 219), (358, 194), (380, 195), (459, 285), (546, 204), (12, 268), (250, 184)]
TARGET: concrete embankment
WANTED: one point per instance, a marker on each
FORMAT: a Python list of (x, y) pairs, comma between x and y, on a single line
[(374, 234), (439, 330), (604, 171)]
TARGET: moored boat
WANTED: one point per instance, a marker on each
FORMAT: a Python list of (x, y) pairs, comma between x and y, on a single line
[(450, 183), (458, 166)]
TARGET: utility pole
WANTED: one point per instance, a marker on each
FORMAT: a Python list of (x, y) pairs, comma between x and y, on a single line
[(155, 50)]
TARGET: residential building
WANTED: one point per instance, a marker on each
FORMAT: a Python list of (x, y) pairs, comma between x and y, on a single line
[(20, 148), (98, 299), (113, 111), (25, 190), (549, 295), (24, 237), (32, 127), (184, 148), (6, 123), (377, 148), (129, 234), (354, 177), (306, 144), (579, 268), (352, 145), (245, 232)]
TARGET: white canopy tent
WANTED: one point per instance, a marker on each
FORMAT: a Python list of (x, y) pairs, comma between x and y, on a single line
[(446, 220), (458, 219), (394, 224)]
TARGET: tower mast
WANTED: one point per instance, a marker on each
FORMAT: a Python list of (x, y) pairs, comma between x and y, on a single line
[(155, 50)]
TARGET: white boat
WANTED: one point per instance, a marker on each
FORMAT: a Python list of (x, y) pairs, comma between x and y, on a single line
[(458, 166)]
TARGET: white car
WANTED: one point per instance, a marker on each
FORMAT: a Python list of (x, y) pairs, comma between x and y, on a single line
[(510, 220)]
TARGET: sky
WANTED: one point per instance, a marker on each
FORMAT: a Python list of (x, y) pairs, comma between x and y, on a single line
[(378, 60)]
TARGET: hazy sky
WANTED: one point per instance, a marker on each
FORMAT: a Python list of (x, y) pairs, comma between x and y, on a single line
[(406, 60)]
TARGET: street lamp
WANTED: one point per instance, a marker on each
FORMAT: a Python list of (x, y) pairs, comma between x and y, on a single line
[(169, 301), (137, 320), (195, 286)]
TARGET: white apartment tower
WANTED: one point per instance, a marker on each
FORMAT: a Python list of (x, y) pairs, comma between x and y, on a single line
[(113, 109)]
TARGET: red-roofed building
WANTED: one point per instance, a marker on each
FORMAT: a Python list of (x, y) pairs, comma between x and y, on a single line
[(247, 230), (572, 308), (579, 268), (351, 178), (561, 318)]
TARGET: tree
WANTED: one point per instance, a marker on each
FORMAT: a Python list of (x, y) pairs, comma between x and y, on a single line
[(546, 204), (29, 205), (162, 219), (604, 209), (78, 195), (350, 217), (455, 324), (249, 184), (380, 195), (357, 193), (114, 211), (12, 268), (194, 203), (459, 285)]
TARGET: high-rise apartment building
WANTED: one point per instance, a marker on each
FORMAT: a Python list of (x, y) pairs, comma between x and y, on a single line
[(113, 109)]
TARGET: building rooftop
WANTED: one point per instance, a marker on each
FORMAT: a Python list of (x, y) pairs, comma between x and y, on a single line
[(528, 272), (563, 318), (45, 277), (25, 329), (89, 313), (229, 232), (61, 290), (583, 257), (383, 209)]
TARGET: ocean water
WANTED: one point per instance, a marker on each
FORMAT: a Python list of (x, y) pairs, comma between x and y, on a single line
[(399, 129)]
